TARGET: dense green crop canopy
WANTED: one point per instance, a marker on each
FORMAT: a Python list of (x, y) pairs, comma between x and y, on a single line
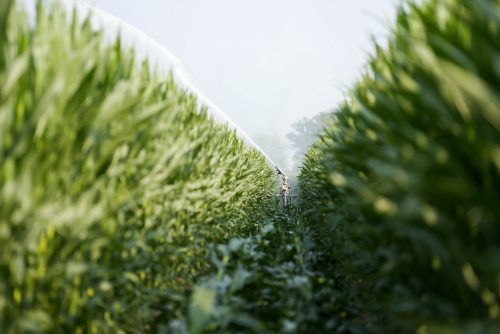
[(112, 182), (408, 175), (124, 208)]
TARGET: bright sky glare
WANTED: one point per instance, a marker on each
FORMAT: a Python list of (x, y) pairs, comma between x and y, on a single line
[(266, 63)]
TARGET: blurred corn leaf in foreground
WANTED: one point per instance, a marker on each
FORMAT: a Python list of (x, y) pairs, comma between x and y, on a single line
[(408, 178)]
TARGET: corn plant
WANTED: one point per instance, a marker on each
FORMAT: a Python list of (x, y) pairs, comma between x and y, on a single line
[(408, 174), (113, 183)]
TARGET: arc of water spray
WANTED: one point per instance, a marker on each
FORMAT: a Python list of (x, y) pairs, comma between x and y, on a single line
[(114, 26)]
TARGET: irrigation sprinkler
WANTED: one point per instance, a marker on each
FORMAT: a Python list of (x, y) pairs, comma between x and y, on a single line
[(285, 190)]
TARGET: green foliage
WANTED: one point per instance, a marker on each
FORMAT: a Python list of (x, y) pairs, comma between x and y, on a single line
[(276, 281), (112, 183), (408, 175), (305, 132)]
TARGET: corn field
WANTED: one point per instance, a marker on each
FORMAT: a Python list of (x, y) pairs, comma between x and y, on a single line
[(125, 208), (112, 182), (407, 176)]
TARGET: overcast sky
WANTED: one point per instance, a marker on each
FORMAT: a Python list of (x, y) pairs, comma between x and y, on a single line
[(266, 63)]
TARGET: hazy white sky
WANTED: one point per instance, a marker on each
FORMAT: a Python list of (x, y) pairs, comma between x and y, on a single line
[(266, 63)]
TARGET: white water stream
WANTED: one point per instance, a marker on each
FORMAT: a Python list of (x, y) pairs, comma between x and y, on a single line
[(157, 54)]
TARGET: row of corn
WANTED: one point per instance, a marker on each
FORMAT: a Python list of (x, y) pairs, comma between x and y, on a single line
[(406, 178), (112, 182)]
